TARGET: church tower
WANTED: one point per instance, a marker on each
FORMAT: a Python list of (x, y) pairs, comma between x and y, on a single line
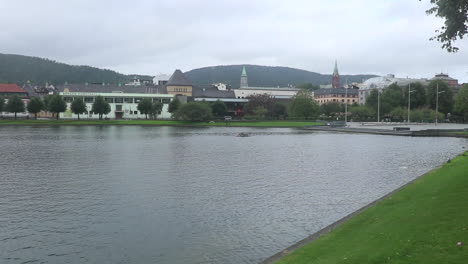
[(336, 77), (243, 80)]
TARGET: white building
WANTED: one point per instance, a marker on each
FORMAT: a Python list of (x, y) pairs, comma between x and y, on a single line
[(382, 82), (278, 93), (123, 105), (161, 78)]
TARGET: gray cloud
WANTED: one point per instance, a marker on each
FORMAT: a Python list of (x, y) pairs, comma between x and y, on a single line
[(150, 37)]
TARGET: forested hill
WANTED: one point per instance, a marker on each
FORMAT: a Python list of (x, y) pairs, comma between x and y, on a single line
[(264, 76), (20, 69)]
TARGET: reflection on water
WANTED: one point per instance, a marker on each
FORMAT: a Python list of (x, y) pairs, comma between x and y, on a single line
[(120, 194)]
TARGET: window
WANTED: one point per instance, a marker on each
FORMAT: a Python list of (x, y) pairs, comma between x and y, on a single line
[(136, 112), (342, 100), (118, 100), (128, 100), (109, 99), (68, 99), (156, 100), (166, 100), (137, 100), (89, 99)]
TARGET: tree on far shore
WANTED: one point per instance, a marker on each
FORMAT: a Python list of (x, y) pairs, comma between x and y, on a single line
[(57, 105), (362, 113), (15, 105), (418, 95), (461, 102), (174, 105), (156, 109), (304, 106), (279, 110), (219, 108), (445, 96), (257, 101), (145, 106), (194, 111), (2, 103), (78, 106), (100, 107), (35, 106)]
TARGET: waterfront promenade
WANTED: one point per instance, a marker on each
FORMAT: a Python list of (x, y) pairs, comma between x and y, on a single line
[(413, 129)]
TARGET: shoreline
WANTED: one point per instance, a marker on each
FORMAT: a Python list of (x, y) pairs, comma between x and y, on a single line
[(461, 133), (172, 123), (317, 235)]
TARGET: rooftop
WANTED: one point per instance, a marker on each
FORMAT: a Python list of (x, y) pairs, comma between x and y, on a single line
[(270, 88), (179, 78), (11, 88), (212, 92), (97, 88), (443, 76)]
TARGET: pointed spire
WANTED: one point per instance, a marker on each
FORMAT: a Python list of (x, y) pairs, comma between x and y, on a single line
[(244, 72), (336, 77), (335, 71), (243, 80)]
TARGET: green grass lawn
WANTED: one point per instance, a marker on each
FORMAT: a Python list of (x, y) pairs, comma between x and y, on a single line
[(160, 123), (421, 223)]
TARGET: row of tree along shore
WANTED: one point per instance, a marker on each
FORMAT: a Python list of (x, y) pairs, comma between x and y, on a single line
[(261, 107), (426, 104), (56, 104)]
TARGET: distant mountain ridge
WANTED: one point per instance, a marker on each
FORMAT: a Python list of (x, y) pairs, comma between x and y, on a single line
[(20, 69), (265, 76)]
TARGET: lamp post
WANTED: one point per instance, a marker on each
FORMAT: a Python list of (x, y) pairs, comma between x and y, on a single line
[(378, 106), (409, 101), (346, 105), (437, 104)]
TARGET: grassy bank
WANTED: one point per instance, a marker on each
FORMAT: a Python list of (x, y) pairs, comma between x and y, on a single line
[(160, 123), (422, 223)]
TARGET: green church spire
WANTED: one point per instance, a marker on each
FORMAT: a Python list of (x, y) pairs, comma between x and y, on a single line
[(244, 72)]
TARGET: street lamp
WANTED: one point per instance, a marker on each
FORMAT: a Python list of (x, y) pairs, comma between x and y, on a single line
[(378, 106), (346, 105), (409, 101), (437, 103)]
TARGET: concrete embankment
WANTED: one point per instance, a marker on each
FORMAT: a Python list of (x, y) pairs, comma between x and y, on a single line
[(418, 133)]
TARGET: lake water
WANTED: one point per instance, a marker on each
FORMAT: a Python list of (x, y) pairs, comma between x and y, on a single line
[(131, 194)]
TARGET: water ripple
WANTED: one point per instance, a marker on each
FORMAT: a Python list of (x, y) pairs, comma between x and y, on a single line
[(189, 195)]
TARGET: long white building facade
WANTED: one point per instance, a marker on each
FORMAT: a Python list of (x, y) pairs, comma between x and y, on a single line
[(123, 105)]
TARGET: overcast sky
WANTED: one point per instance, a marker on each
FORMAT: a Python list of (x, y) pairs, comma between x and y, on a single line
[(158, 36)]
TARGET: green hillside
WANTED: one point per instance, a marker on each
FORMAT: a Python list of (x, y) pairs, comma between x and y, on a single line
[(20, 69), (264, 76)]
